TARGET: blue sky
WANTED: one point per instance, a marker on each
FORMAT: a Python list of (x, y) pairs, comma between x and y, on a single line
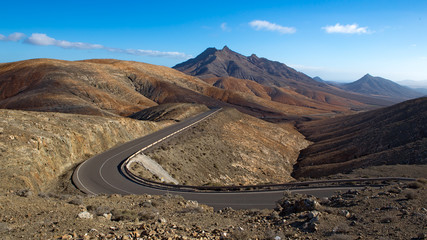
[(336, 40)]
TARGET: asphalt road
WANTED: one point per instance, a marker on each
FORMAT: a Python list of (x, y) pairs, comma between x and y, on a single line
[(100, 174)]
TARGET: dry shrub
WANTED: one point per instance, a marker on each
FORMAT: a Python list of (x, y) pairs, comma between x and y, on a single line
[(422, 181), (101, 210), (410, 195), (76, 201), (191, 210), (124, 215), (241, 234), (341, 229), (342, 237), (415, 185), (130, 215)]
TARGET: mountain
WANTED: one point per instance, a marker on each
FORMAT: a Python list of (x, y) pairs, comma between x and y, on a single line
[(108, 87), (381, 87), (332, 83), (318, 79), (413, 84), (225, 63), (419, 86), (70, 87), (421, 90), (392, 135), (99, 87)]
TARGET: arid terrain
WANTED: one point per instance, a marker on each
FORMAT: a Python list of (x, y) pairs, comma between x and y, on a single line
[(213, 154), (393, 212), (169, 111), (36, 148), (113, 87), (279, 81), (56, 114), (388, 136)]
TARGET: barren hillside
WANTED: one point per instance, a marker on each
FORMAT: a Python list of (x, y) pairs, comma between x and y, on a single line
[(36, 148), (169, 111), (109, 87), (231, 148), (393, 135)]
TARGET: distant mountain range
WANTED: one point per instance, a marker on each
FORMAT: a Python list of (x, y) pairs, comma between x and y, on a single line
[(333, 83), (283, 84), (419, 86), (253, 85), (378, 87)]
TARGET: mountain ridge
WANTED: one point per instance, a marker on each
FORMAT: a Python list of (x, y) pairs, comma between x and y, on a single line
[(378, 86), (214, 63), (227, 63), (386, 136), (109, 87)]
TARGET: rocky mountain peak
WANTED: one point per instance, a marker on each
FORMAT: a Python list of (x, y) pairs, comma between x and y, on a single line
[(228, 63), (225, 49)]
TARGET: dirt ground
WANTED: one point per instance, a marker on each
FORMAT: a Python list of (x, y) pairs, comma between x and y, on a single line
[(397, 211), (229, 148)]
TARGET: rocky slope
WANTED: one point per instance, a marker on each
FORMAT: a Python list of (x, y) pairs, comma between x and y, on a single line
[(37, 148), (231, 148), (169, 111), (393, 135)]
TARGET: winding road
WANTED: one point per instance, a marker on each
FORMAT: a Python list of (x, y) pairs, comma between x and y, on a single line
[(102, 174)]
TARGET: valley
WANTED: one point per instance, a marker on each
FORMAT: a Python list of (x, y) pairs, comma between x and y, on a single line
[(276, 125)]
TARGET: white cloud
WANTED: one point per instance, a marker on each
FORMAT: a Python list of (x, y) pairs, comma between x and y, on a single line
[(14, 37), (265, 25), (153, 53), (224, 27), (347, 29), (41, 39)]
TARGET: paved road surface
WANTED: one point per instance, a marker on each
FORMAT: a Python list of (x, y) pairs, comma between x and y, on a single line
[(100, 174)]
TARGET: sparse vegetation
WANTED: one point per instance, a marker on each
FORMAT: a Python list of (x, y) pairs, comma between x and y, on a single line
[(415, 185), (367, 213), (410, 194), (212, 154), (346, 143), (39, 151)]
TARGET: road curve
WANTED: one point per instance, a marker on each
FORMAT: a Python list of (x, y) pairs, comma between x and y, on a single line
[(102, 174)]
